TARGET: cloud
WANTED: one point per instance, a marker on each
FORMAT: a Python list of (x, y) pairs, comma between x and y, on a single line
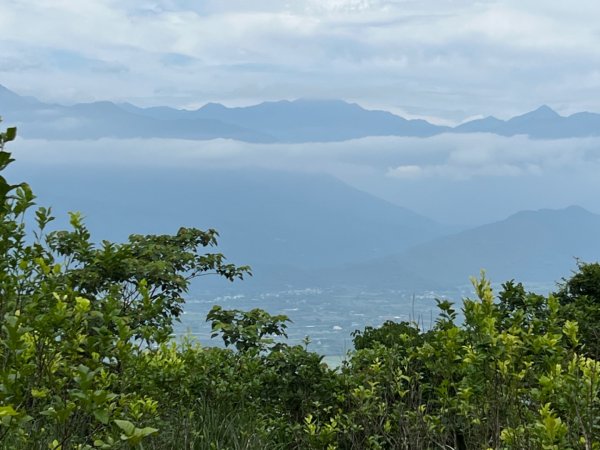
[(464, 157), (453, 178), (498, 57), (452, 156), (462, 173), (408, 171)]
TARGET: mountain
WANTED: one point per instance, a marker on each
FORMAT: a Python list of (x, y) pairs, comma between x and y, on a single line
[(543, 123), (12, 102), (489, 124), (284, 121), (306, 120), (105, 119), (295, 121), (538, 246), (278, 222)]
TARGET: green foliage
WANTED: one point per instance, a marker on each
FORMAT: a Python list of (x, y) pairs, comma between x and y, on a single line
[(509, 377), (247, 331), (148, 274), (580, 300), (390, 334)]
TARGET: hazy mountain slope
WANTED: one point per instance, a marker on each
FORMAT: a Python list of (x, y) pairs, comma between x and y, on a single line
[(105, 119), (527, 246), (318, 120), (282, 121), (13, 102), (543, 123), (300, 120), (264, 217), (487, 125)]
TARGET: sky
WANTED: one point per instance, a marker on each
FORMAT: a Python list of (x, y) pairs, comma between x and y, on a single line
[(446, 60)]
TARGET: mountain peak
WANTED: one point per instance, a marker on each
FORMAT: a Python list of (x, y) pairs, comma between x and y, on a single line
[(212, 106), (576, 209), (570, 212), (7, 92), (320, 101), (543, 112)]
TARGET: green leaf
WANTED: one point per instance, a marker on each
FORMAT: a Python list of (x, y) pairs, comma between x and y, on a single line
[(10, 134), (5, 188), (101, 415), (146, 431), (5, 160), (8, 411), (127, 427)]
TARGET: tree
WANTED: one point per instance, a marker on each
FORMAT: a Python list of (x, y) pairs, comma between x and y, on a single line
[(580, 301), (76, 317), (248, 331)]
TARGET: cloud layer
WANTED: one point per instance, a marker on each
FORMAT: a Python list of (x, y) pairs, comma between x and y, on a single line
[(450, 59), (467, 179)]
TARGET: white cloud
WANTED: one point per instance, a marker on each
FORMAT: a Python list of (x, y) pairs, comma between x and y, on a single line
[(442, 177), (453, 178), (451, 156), (408, 171), (454, 58)]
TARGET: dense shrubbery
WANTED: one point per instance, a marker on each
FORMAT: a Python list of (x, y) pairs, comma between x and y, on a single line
[(86, 359)]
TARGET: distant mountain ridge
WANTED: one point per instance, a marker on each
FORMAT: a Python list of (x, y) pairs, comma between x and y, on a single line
[(539, 246), (305, 120), (287, 121)]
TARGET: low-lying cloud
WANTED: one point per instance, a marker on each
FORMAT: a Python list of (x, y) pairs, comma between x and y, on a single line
[(468, 153), (467, 157), (442, 176)]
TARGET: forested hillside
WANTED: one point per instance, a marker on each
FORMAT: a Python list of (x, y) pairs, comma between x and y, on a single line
[(87, 359)]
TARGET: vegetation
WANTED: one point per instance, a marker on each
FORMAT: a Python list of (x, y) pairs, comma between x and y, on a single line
[(86, 358)]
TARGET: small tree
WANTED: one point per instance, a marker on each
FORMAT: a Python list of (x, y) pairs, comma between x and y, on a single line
[(247, 330), (580, 300)]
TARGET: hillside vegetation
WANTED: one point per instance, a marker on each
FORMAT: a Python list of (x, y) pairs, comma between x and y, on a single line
[(87, 360)]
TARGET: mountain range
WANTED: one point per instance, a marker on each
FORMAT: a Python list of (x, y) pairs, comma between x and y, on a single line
[(301, 230), (295, 121)]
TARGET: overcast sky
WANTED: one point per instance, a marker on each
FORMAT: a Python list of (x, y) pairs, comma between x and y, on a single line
[(430, 58)]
